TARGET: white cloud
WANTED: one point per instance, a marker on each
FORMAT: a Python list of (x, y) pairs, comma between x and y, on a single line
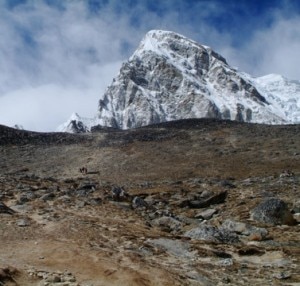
[(45, 107), (280, 46), (271, 50), (69, 64)]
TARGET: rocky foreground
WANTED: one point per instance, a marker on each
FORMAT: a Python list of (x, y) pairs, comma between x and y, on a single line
[(194, 202)]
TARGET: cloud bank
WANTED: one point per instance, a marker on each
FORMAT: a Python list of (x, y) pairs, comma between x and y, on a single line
[(57, 57)]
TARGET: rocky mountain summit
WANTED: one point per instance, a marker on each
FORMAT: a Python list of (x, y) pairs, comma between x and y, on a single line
[(188, 202), (170, 77)]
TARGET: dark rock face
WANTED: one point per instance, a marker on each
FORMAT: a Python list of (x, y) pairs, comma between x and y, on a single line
[(273, 211), (78, 127)]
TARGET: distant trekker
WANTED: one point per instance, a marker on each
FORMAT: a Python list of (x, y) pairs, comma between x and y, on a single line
[(83, 170)]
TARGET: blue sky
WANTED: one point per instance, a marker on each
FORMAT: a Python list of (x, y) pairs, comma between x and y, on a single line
[(57, 57)]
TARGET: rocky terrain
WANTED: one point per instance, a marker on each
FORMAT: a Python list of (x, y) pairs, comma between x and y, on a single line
[(193, 202)]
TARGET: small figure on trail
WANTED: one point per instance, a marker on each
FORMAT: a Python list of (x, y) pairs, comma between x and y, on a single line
[(83, 170)]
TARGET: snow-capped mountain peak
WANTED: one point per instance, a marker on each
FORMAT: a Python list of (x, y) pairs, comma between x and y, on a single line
[(76, 124), (171, 77), (283, 95)]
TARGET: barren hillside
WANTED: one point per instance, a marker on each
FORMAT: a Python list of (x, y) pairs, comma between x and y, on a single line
[(168, 204)]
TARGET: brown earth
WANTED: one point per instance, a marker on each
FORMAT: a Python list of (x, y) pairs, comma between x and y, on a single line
[(68, 224)]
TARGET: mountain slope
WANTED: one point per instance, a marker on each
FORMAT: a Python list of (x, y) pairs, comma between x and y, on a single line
[(68, 222), (284, 95), (170, 77)]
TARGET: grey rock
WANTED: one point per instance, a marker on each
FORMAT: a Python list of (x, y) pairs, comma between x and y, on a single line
[(23, 222), (53, 278), (226, 262), (273, 211), (244, 228), (150, 200), (65, 199), (296, 207), (25, 208), (206, 202), (138, 202), (206, 194), (175, 247), (5, 209), (207, 214), (227, 184), (80, 204), (26, 197), (199, 278), (282, 275), (95, 201), (83, 192), (297, 217), (168, 223), (47, 197), (87, 186), (118, 194), (212, 234)]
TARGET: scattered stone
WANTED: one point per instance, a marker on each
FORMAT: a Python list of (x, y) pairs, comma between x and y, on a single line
[(26, 197), (168, 223), (226, 280), (297, 217), (212, 234), (65, 199), (150, 200), (227, 184), (80, 204), (273, 211), (245, 229), (226, 262), (199, 278), (87, 186), (83, 192), (296, 207), (214, 199), (23, 222), (207, 214), (138, 202), (47, 197), (250, 250), (53, 278), (118, 194), (95, 201), (206, 194), (286, 174), (5, 209), (175, 247), (282, 275)]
